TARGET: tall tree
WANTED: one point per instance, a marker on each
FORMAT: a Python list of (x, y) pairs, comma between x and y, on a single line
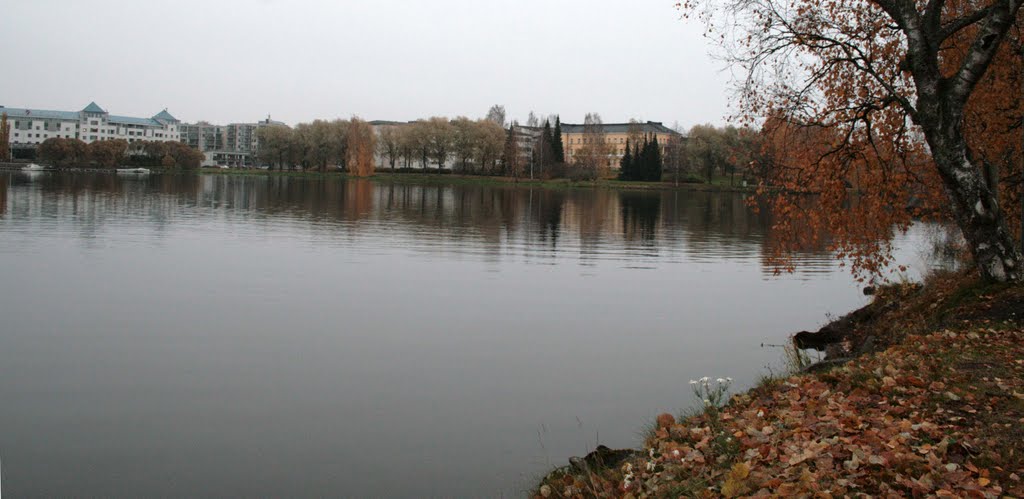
[(496, 115), (655, 164), (5, 138), (464, 142), (558, 147), (389, 145), (440, 137), (491, 138), (359, 148), (532, 120), (626, 164), (276, 145), (511, 163), (866, 69), (591, 160)]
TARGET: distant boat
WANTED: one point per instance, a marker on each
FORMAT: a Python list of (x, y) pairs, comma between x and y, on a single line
[(133, 170), (32, 167)]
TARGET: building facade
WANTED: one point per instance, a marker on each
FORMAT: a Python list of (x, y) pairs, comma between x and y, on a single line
[(234, 145), (30, 127), (615, 137)]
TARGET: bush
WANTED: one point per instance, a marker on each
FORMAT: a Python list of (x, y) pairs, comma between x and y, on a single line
[(63, 152)]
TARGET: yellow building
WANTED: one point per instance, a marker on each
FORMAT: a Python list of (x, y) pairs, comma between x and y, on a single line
[(615, 136)]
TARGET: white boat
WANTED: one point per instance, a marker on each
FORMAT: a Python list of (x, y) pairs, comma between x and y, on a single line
[(133, 170), (32, 167)]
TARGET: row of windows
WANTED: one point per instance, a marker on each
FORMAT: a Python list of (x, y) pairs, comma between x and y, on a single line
[(614, 140)]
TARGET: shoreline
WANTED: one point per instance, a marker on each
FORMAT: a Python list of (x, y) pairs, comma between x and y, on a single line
[(917, 396), (429, 179)]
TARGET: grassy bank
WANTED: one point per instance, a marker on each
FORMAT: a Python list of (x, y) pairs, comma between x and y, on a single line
[(718, 184), (931, 403)]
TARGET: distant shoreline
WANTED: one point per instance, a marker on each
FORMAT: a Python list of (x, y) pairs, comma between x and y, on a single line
[(458, 179), (432, 178)]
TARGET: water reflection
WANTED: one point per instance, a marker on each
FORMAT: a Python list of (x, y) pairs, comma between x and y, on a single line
[(221, 336), (500, 221), (639, 216)]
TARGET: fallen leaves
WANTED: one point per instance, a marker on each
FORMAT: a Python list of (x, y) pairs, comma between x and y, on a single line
[(939, 414)]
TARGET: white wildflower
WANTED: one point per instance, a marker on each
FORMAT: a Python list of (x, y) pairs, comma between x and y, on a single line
[(720, 380), (693, 382)]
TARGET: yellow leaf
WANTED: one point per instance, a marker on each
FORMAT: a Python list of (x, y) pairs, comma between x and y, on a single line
[(984, 482)]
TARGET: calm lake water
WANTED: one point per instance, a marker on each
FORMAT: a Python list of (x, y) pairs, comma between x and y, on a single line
[(226, 336)]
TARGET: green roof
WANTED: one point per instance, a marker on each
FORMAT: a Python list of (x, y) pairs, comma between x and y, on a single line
[(164, 116), (93, 108)]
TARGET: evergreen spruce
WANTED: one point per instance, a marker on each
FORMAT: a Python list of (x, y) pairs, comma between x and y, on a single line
[(643, 169), (637, 165), (654, 174), (557, 146), (509, 153), (626, 165), (547, 148)]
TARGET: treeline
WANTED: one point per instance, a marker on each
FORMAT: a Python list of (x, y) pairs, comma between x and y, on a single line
[(723, 151), (467, 146), (113, 153), (340, 144)]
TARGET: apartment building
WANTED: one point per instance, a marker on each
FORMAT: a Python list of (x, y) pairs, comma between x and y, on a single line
[(30, 127), (235, 144)]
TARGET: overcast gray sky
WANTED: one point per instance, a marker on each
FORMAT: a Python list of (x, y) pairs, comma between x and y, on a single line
[(230, 61)]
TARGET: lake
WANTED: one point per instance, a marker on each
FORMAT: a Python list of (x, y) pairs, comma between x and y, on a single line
[(221, 335)]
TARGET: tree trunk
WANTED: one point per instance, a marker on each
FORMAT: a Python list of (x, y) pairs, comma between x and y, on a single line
[(976, 210)]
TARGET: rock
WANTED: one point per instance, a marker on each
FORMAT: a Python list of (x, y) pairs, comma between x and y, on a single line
[(869, 290), (545, 491), (665, 420), (601, 458)]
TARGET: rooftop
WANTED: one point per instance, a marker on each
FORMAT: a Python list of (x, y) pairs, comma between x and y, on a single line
[(128, 120), (648, 127), (15, 112), (164, 116), (93, 108)]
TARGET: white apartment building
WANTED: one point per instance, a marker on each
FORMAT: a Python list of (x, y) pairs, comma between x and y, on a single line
[(30, 127)]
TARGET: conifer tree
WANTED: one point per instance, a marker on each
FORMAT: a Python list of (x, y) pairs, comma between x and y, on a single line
[(643, 169), (626, 165), (557, 146), (548, 147), (510, 154), (637, 165), (655, 167)]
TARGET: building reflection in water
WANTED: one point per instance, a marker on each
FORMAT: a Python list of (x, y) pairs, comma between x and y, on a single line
[(500, 221)]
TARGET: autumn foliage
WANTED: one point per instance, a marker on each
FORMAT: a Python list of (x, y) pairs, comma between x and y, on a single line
[(361, 147), (886, 111)]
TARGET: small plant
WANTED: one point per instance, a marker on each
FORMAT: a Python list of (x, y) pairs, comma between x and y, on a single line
[(713, 394)]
